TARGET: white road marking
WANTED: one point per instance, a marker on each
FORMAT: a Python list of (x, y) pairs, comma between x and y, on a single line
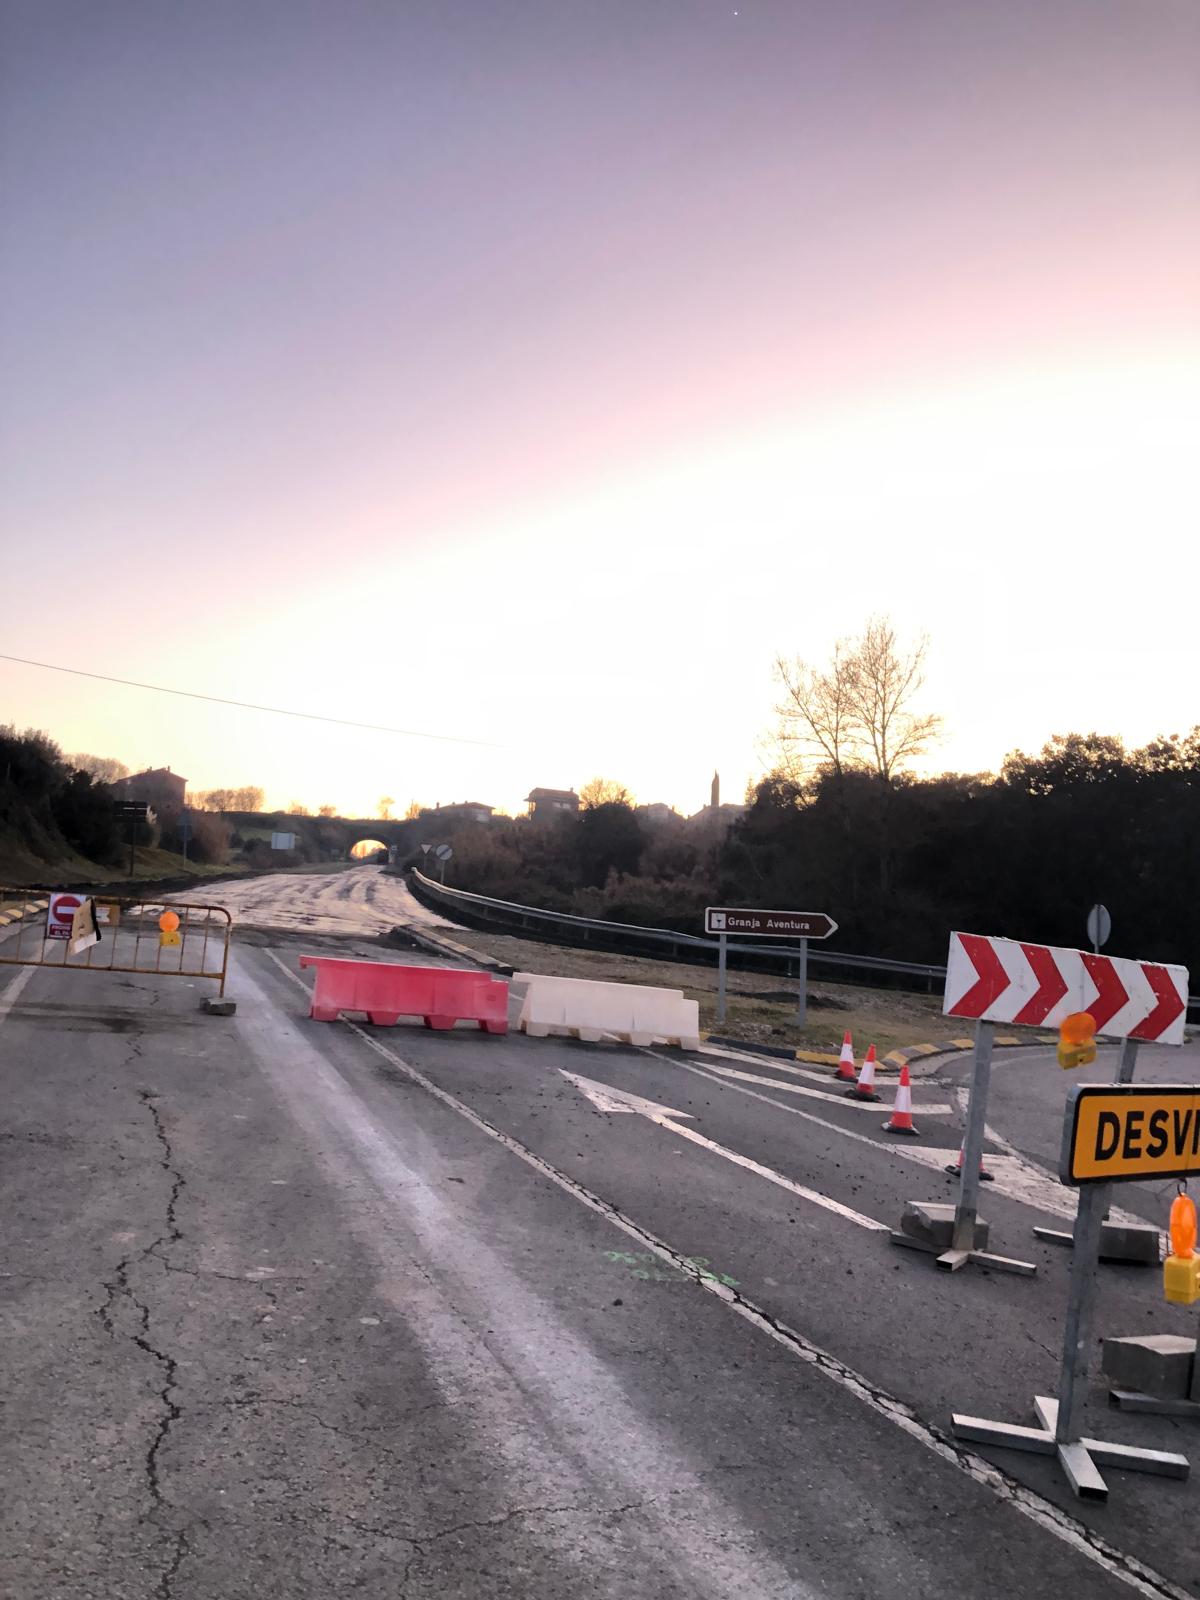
[(9, 998), (1043, 1513), (845, 1101), (1015, 1177), (605, 1098)]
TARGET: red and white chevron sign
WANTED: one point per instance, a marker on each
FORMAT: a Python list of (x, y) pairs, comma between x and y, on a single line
[(1037, 985)]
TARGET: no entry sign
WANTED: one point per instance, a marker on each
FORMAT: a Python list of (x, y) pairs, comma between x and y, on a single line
[(59, 915), (1120, 1133)]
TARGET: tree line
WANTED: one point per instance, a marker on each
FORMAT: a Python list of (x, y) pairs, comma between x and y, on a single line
[(841, 824)]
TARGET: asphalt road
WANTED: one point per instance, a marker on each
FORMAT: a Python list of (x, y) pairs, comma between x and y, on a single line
[(300, 1309)]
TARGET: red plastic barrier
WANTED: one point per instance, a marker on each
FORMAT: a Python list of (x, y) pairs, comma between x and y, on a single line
[(387, 991)]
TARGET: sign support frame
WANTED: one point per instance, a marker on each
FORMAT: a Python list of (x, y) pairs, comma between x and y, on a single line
[(721, 940), (966, 1212), (1057, 1433)]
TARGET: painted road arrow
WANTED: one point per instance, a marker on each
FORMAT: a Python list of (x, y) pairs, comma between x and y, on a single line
[(610, 1100), (1029, 985)]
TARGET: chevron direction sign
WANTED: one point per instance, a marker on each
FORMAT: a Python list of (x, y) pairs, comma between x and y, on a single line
[(1037, 985)]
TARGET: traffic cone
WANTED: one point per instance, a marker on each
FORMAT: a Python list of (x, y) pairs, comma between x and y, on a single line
[(845, 1068), (901, 1119), (954, 1168), (864, 1089)]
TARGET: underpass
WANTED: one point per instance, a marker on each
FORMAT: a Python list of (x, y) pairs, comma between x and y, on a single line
[(300, 1309)]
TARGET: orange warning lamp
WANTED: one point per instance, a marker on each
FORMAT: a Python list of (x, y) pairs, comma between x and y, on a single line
[(169, 921), (1076, 1040), (1181, 1269)]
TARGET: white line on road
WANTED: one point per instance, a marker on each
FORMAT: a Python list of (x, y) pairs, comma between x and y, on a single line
[(1015, 1177), (843, 1100), (9, 997), (607, 1099), (1044, 1513)]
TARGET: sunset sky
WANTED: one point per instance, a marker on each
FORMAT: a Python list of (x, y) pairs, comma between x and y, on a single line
[(532, 371)]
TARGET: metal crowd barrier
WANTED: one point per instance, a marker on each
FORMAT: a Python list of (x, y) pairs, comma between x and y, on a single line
[(130, 938)]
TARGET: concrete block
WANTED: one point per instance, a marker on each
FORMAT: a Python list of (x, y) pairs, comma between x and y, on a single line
[(218, 1008), (1152, 1363), (1137, 1242), (931, 1223)]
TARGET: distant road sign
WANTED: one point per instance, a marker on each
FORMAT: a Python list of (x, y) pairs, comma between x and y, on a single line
[(769, 924), (1037, 985), (443, 852), (1099, 926), (283, 841), (1118, 1133)]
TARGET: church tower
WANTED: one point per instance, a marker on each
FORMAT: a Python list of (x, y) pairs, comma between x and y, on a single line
[(716, 791)]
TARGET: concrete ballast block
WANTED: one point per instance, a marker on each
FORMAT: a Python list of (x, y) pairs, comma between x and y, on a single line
[(1152, 1363), (1138, 1242), (931, 1223)]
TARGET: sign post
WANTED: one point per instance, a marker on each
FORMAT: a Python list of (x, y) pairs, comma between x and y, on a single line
[(1119, 1133), (134, 811), (802, 925)]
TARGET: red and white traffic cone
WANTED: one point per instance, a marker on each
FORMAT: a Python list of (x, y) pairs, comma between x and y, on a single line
[(845, 1068), (901, 1119), (954, 1168), (864, 1089)]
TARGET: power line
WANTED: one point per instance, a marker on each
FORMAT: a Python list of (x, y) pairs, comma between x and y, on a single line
[(246, 705)]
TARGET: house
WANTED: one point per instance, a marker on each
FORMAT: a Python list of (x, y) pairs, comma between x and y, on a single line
[(545, 804), (459, 811), (658, 813), (159, 787)]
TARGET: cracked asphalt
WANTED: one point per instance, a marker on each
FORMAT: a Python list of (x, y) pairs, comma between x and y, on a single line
[(303, 1310)]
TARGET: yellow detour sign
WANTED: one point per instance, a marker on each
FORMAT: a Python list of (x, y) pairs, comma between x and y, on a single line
[(1115, 1133)]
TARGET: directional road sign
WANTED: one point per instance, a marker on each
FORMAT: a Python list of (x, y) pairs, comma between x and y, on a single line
[(1037, 985), (769, 924)]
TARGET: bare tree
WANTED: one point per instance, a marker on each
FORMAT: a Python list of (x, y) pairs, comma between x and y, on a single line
[(604, 792), (413, 812), (327, 811), (884, 681), (857, 711), (384, 808), (296, 809), (817, 724), (103, 768)]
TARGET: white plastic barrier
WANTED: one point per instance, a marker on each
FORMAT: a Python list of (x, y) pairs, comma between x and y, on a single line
[(590, 1011)]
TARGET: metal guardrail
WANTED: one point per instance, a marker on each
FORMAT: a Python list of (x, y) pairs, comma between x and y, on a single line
[(663, 943), (660, 943)]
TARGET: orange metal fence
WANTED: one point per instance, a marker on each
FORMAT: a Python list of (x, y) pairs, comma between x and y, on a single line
[(130, 937)]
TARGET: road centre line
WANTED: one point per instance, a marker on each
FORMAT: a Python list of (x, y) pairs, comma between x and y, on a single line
[(847, 1102), (1125, 1568)]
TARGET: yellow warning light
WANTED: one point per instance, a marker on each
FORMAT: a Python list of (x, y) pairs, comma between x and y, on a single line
[(169, 921), (1076, 1040), (1181, 1269)]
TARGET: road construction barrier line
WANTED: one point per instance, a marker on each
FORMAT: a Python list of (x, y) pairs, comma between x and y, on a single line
[(389, 990), (591, 1010), (128, 930)]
